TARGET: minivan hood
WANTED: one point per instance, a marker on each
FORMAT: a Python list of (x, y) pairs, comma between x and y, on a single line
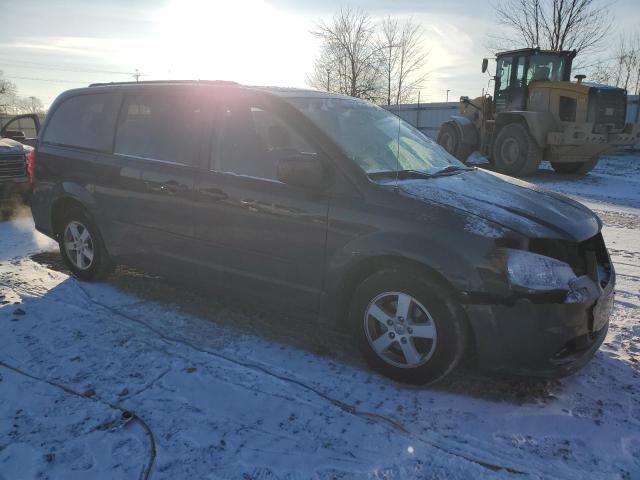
[(513, 204)]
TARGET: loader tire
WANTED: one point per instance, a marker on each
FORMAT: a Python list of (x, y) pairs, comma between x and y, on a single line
[(449, 138), (515, 151)]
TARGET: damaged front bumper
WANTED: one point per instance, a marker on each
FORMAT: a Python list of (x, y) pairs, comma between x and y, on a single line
[(544, 337)]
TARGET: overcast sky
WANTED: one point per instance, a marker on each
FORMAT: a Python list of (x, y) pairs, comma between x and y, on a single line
[(50, 46)]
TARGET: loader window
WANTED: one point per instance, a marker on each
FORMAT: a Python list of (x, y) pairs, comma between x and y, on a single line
[(503, 81), (503, 73), (545, 67), (520, 70)]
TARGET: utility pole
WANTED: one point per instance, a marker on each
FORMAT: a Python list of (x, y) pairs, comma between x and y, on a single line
[(418, 112), (328, 81), (137, 75), (448, 95)]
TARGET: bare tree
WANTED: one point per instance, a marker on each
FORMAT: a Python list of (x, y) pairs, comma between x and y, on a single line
[(389, 37), (11, 103), (8, 94), (383, 62), (349, 60), (623, 69), (412, 58), (30, 105), (579, 25), (403, 57)]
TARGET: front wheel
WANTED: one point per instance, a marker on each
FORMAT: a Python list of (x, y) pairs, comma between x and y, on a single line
[(515, 151), (407, 326), (82, 247), (578, 168)]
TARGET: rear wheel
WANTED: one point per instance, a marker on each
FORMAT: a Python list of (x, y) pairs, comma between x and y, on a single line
[(82, 247), (578, 168), (449, 139), (407, 326), (515, 151)]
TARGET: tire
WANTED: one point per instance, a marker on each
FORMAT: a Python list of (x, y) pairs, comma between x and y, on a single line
[(515, 151), (432, 311), (578, 168), (449, 139), (78, 229)]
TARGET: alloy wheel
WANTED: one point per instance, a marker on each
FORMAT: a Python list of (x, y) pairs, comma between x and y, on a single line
[(400, 330), (78, 245)]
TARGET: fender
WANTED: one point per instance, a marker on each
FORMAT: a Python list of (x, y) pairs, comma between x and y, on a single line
[(431, 252), (466, 128), (539, 124), (60, 193)]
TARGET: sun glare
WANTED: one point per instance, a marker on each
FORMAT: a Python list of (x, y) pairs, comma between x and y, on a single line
[(247, 41)]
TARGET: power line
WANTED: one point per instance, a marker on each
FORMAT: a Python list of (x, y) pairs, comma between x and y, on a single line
[(50, 80), (34, 65)]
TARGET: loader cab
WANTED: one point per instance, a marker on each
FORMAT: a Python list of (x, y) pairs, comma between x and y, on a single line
[(516, 69)]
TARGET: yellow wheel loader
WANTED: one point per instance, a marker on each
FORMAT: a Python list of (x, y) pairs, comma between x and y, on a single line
[(536, 112)]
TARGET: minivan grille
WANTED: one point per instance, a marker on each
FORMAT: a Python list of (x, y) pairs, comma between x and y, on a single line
[(607, 107), (12, 166)]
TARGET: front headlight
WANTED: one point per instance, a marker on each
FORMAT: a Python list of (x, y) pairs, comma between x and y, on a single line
[(537, 272)]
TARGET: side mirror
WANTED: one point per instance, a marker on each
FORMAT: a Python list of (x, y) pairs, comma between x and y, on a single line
[(301, 170), (485, 64)]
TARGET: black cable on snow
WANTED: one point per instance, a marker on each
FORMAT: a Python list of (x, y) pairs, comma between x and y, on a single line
[(345, 407), (126, 414)]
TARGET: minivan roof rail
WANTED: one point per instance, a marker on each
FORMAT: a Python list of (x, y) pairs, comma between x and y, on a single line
[(146, 82)]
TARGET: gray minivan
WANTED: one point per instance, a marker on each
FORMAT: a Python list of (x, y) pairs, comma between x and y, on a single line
[(328, 205)]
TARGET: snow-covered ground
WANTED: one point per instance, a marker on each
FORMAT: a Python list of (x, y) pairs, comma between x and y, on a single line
[(136, 377)]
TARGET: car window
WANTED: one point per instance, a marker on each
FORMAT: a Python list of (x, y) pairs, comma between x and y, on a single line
[(252, 140), (84, 121), (160, 127)]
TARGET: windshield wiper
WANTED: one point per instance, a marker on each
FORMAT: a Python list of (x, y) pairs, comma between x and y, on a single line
[(404, 174), (451, 169), (401, 174)]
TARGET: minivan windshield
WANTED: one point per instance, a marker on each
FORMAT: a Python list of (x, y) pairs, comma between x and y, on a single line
[(376, 140)]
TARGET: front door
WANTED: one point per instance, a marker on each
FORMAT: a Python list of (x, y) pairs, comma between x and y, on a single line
[(255, 231), (511, 86)]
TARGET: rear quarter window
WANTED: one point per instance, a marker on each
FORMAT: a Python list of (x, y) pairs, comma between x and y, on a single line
[(83, 121)]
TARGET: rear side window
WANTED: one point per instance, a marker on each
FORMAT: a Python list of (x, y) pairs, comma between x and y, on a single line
[(83, 121), (160, 127)]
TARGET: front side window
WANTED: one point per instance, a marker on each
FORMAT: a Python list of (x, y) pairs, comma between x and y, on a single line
[(503, 73), (373, 138), (160, 127), (253, 138), (83, 121)]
